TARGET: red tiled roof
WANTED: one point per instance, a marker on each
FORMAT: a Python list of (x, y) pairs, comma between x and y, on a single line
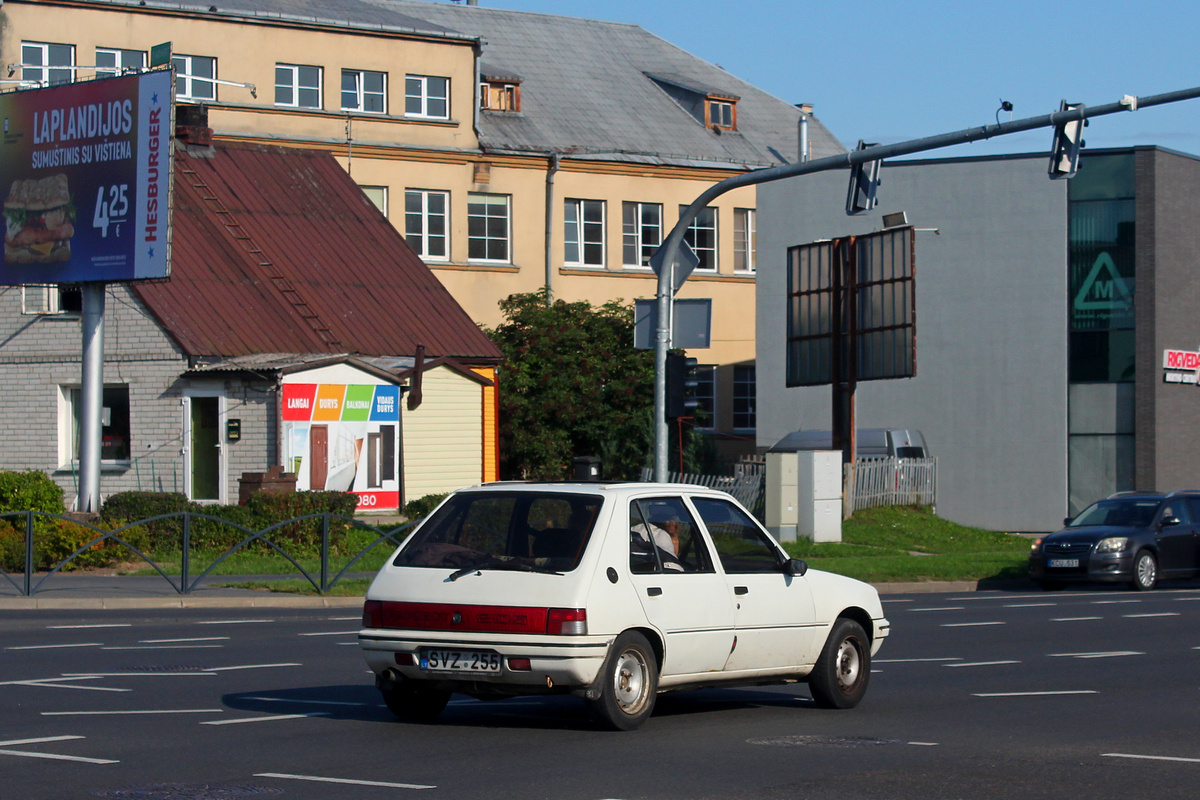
[(277, 250)]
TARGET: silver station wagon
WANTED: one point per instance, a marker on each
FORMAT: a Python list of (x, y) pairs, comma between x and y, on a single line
[(613, 593)]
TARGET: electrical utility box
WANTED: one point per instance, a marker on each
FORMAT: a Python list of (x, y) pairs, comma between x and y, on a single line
[(819, 495), (782, 495)]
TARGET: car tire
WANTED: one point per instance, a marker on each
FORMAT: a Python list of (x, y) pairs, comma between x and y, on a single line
[(839, 678), (413, 702), (1145, 571), (628, 684)]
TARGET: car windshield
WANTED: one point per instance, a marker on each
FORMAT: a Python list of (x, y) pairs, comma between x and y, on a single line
[(530, 531), (1135, 512)]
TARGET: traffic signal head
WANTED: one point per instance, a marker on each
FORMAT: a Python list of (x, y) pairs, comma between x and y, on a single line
[(681, 386), (1068, 141), (864, 180)]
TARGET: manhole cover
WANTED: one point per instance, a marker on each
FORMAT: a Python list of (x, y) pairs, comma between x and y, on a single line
[(823, 741), (190, 791)]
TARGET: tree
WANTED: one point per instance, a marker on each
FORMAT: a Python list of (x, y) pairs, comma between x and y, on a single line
[(571, 385)]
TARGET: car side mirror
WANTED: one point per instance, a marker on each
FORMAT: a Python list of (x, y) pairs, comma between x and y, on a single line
[(795, 567), (1066, 521), (1168, 521)]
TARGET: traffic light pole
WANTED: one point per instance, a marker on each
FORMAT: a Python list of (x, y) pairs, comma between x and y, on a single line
[(666, 285)]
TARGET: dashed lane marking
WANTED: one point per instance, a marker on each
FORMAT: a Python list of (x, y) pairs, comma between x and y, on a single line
[(350, 781), (1035, 694), (1102, 654), (1152, 758), (274, 718), (980, 663), (52, 756)]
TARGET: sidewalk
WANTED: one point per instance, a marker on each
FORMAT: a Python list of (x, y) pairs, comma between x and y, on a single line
[(74, 590)]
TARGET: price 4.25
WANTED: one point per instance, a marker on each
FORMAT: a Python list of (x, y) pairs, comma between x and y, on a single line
[(112, 208)]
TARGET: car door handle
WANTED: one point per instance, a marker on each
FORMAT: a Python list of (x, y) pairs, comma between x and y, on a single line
[(653, 591), (741, 590)]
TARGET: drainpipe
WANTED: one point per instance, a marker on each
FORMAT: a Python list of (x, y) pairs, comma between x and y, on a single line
[(550, 172), (805, 111)]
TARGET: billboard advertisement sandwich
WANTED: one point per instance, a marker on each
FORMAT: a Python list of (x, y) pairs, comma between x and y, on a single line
[(85, 177)]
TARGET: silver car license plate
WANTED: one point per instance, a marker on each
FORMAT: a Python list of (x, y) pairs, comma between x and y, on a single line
[(478, 661), (1062, 563)]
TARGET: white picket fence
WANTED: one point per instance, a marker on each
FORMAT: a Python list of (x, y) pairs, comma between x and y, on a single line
[(871, 482), (746, 486)]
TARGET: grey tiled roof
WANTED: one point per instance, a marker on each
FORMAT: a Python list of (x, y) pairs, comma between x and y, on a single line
[(586, 85)]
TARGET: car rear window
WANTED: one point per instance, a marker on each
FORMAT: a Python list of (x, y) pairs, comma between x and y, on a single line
[(547, 531)]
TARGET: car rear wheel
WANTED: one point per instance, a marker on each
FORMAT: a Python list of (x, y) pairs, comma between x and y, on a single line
[(413, 702), (839, 678), (1145, 571), (628, 684)]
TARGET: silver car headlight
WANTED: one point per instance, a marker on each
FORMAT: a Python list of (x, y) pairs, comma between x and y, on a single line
[(1113, 544)]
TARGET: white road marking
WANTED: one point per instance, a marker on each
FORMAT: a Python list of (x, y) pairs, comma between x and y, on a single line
[(319, 779), (911, 660), (166, 647), (99, 625), (309, 702), (944, 608), (1073, 619), (132, 674), (193, 639), (924, 744), (1113, 602), (346, 619), (233, 621), (251, 666), (332, 633), (1029, 605), (148, 711), (969, 624), (1159, 614), (54, 646), (1035, 694), (980, 663), (1152, 758), (57, 683), (52, 756), (1108, 654), (263, 719)]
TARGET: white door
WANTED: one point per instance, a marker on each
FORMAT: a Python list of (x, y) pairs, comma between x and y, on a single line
[(681, 593)]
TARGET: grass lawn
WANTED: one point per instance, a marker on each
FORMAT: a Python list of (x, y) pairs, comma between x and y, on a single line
[(879, 545)]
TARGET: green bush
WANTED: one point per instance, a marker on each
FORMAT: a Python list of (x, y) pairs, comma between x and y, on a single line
[(56, 539), (126, 507), (30, 491), (415, 509)]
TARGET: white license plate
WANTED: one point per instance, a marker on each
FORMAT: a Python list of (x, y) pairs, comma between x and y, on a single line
[(460, 661), (1062, 563)]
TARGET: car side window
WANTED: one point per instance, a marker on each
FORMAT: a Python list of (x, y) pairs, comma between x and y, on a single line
[(1179, 510), (741, 544), (663, 538)]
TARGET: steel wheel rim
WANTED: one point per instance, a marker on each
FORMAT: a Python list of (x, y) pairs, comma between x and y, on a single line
[(1145, 570), (849, 664), (630, 682)]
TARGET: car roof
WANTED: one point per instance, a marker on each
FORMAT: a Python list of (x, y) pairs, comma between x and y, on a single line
[(594, 487)]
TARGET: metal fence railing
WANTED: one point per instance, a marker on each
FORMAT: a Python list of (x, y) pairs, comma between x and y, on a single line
[(272, 536), (871, 482), (746, 485)]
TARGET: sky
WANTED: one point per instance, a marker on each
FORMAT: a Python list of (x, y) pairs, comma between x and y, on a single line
[(888, 72)]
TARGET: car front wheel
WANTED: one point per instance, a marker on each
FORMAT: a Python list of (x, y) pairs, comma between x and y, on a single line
[(1145, 571), (839, 678), (412, 702), (628, 684)]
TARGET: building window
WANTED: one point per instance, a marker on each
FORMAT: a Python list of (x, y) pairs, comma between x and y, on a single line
[(706, 396), (583, 233), (743, 397), (702, 236), (719, 113), (642, 232), (427, 96), (51, 299), (499, 96), (194, 76), (364, 91), (427, 222), (744, 239), (488, 227), (114, 424), (297, 86), (39, 59), (111, 61), (378, 195)]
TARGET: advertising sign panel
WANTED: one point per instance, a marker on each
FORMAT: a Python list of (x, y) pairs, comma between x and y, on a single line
[(85, 173), (344, 438)]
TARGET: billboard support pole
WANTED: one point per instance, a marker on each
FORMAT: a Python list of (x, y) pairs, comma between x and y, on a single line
[(91, 397)]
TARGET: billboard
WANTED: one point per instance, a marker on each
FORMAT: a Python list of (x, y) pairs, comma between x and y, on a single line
[(85, 174)]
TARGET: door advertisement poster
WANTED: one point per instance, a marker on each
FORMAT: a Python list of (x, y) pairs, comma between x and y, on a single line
[(344, 438)]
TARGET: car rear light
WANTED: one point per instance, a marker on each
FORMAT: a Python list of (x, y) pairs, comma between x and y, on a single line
[(520, 664), (566, 621), (372, 614)]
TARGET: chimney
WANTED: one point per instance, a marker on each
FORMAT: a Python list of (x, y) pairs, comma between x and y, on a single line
[(191, 124)]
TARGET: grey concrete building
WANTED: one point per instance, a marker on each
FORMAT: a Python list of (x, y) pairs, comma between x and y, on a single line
[(1044, 310)]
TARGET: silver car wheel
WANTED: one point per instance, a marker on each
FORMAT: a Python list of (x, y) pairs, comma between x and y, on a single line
[(1145, 571), (631, 681), (849, 665)]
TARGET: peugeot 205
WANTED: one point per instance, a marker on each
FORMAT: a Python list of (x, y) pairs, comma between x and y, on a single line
[(613, 593)]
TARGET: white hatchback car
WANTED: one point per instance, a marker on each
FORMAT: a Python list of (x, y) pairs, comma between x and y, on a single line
[(612, 592)]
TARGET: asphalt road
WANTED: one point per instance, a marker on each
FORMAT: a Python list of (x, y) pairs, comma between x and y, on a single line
[(975, 695)]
